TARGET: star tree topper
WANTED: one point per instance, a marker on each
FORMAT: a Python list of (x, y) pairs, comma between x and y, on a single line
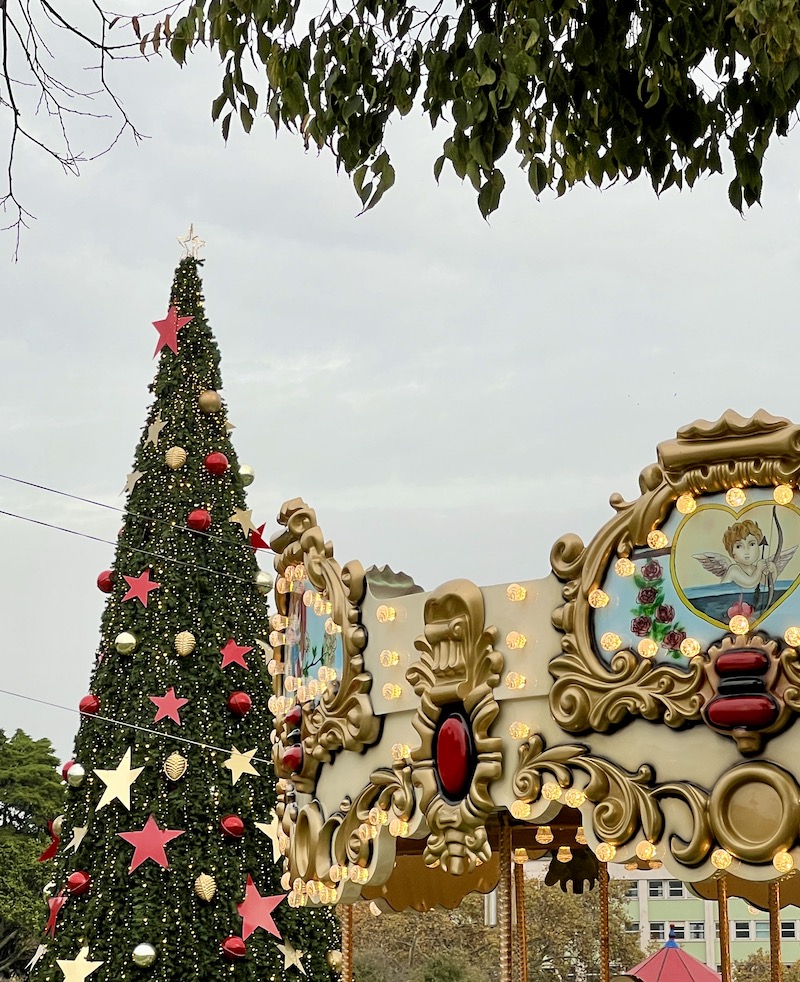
[(168, 330), (240, 763), (191, 243), (118, 782), (149, 842), (79, 967), (256, 911)]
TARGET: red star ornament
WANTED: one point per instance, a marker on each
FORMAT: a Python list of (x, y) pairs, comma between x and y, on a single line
[(233, 654), (257, 540), (168, 705), (168, 330), (149, 843), (256, 911), (55, 904), (140, 587)]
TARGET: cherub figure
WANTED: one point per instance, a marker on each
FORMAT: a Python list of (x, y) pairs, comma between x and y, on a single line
[(745, 565)]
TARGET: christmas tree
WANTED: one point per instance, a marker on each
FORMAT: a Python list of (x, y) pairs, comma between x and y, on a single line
[(167, 869)]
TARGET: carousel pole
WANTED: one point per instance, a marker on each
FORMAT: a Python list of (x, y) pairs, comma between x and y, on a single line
[(504, 918), (605, 935), (347, 943), (521, 938), (775, 965), (724, 927)]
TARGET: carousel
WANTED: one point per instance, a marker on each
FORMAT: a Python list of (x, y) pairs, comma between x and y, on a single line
[(636, 705)]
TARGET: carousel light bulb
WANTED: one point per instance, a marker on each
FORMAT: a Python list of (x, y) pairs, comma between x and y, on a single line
[(308, 598), (399, 828), (302, 693), (624, 567), (647, 648), (690, 647), (574, 798), (374, 909), (400, 751), (272, 667), (739, 624), (515, 640), (299, 886), (290, 683), (606, 852), (367, 832), (272, 705), (392, 690), (735, 497), (564, 854), (792, 636), (783, 494), (338, 873), (278, 621), (331, 627), (721, 859), (783, 861), (282, 585), (657, 539), (520, 856), (686, 504), (286, 882), (359, 874), (645, 850), (516, 681), (389, 658), (313, 689), (521, 809), (519, 731), (544, 835), (312, 891), (276, 639), (598, 599), (385, 614), (516, 593), (377, 816), (552, 791), (610, 641)]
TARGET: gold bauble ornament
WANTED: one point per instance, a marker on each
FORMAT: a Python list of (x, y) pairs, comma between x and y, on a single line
[(143, 955), (247, 474), (58, 823), (263, 581), (125, 643), (334, 960), (205, 887), (209, 401), (175, 458), (185, 643), (175, 766)]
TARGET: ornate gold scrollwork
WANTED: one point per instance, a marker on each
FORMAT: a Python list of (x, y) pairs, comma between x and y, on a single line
[(623, 802), (458, 666), (343, 719), (704, 457)]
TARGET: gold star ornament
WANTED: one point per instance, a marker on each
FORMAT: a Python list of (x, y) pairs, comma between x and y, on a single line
[(79, 968), (118, 782), (244, 518), (78, 834), (131, 480), (270, 830), (154, 430), (240, 763), (291, 957)]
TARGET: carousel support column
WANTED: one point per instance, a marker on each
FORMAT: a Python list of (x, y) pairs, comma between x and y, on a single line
[(504, 905), (347, 943), (775, 932), (724, 927), (605, 936), (520, 937)]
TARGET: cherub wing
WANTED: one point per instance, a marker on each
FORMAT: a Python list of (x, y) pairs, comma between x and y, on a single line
[(714, 562), (783, 560)]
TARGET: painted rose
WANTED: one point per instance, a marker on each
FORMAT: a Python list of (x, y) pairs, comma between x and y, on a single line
[(674, 639), (641, 626), (652, 570), (646, 596), (665, 614)]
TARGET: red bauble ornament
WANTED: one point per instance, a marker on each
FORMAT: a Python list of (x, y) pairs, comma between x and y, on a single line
[(216, 463), (78, 883), (233, 949), (232, 826), (199, 520), (89, 705), (105, 581), (239, 703), (292, 758), (65, 769)]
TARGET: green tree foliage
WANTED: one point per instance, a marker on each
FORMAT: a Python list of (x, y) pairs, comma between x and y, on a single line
[(30, 795), (756, 968), (207, 587), (455, 946)]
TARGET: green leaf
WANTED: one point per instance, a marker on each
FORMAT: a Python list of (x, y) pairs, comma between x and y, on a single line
[(489, 196)]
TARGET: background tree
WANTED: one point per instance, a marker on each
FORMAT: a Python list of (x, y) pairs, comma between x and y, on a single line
[(30, 795), (756, 968), (572, 92), (167, 868)]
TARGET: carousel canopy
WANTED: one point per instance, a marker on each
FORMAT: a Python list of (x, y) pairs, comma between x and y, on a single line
[(672, 964)]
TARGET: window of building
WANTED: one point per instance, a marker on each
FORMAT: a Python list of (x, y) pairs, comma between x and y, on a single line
[(788, 929), (675, 888), (632, 927), (657, 931), (697, 931), (741, 929), (655, 888), (762, 930), (679, 930), (632, 888)]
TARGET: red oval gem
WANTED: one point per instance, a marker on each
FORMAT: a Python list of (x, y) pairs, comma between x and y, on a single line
[(752, 712), (292, 758), (294, 717), (742, 662), (453, 757)]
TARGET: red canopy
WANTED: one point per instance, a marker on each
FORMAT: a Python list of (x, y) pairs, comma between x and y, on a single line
[(672, 964)]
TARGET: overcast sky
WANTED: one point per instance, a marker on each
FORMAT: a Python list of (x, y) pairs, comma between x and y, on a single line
[(466, 391)]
